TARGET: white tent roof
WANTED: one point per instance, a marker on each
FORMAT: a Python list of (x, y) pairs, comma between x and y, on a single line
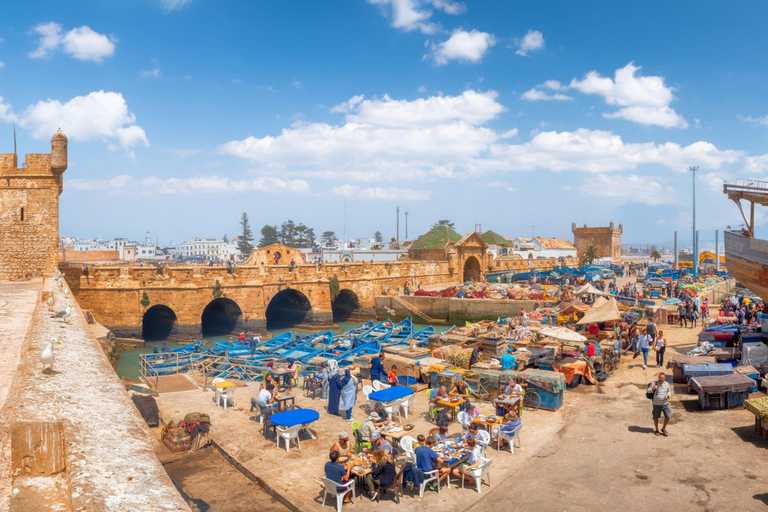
[(607, 311), (562, 334)]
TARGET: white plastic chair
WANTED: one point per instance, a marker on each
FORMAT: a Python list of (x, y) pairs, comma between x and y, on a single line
[(378, 385), (406, 404), (367, 390), (288, 434), (393, 409), (429, 476), (483, 469), (511, 437), (332, 488), (465, 420), (228, 396), (406, 443), (483, 439)]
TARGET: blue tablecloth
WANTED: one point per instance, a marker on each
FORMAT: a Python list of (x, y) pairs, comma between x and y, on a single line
[(295, 417), (389, 394)]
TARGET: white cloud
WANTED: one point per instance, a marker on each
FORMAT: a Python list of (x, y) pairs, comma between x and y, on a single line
[(446, 137), (539, 94), (629, 189), (82, 43), (409, 15), (98, 115), (501, 184), (531, 42), (470, 106), (187, 77), (463, 46), (642, 99), (208, 184), (381, 194), (381, 138), (763, 120), (174, 5), (151, 73), (6, 112), (296, 83), (2, 64)]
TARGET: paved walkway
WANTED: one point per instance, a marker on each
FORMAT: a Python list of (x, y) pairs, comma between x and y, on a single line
[(17, 303), (295, 475), (110, 461), (607, 458)]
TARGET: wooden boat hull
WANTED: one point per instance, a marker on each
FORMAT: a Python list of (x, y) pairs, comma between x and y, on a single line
[(747, 260)]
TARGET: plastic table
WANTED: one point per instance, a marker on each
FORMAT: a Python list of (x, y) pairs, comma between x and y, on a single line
[(295, 417), (390, 394)]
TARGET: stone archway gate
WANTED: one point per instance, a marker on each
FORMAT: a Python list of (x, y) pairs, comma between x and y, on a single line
[(113, 294)]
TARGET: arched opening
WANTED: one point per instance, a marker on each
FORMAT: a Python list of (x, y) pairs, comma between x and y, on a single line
[(287, 308), (220, 317), (157, 323), (345, 303), (471, 269)]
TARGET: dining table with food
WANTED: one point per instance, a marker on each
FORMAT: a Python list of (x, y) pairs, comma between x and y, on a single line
[(453, 452), (395, 430), (452, 403)]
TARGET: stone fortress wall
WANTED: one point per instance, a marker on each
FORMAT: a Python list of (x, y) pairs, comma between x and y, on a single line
[(29, 211), (607, 240)]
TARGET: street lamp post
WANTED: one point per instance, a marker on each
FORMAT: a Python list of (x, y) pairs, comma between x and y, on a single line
[(693, 170)]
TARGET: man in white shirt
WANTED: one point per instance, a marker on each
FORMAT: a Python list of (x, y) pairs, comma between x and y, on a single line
[(264, 400), (661, 393)]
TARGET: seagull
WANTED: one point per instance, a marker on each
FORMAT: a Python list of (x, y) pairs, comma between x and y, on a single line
[(47, 358), (55, 340), (66, 291), (50, 303), (390, 312), (64, 315)]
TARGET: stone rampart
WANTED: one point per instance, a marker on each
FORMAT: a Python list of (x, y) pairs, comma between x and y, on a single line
[(72, 438)]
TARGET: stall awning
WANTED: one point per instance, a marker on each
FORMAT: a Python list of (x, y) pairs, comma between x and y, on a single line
[(607, 311)]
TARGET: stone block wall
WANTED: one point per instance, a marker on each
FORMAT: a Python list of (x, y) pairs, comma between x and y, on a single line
[(29, 226), (606, 240)]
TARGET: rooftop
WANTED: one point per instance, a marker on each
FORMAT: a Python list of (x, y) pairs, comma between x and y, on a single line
[(436, 238)]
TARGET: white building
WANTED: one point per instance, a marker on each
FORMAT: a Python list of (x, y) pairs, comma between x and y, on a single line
[(542, 247)]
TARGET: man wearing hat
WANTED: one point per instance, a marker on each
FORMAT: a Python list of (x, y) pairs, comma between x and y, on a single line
[(508, 361), (342, 446), (379, 415), (379, 443), (367, 429)]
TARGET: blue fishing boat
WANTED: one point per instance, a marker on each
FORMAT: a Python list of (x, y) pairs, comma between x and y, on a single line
[(401, 332), (239, 349), (315, 344)]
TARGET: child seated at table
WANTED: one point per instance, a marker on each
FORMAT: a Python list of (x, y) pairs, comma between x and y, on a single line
[(440, 434), (420, 439), (472, 462)]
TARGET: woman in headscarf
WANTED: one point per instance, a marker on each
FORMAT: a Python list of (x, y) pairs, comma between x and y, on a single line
[(334, 388), (348, 393)]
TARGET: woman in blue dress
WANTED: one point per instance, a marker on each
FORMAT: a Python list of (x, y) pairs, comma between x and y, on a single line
[(334, 389)]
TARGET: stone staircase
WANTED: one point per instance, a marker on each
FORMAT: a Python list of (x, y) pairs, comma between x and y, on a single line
[(416, 311)]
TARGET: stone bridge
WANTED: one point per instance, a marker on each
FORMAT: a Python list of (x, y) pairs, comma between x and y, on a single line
[(185, 300)]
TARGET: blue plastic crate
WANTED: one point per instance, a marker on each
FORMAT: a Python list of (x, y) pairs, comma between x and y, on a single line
[(755, 377), (549, 401), (709, 401), (736, 398), (718, 344)]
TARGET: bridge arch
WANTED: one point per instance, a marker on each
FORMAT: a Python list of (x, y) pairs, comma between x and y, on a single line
[(471, 269), (345, 303), (289, 307), (220, 317), (157, 323)]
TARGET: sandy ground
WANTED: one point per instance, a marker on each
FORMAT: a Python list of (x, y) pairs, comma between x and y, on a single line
[(199, 477), (607, 457), (295, 475)]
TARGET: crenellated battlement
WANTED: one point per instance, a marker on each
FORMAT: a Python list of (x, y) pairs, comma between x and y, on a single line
[(29, 211)]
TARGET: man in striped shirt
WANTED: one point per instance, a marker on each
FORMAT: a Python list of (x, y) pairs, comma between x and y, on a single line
[(661, 393)]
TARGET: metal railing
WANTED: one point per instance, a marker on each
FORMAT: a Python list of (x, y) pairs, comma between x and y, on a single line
[(748, 184), (154, 366)]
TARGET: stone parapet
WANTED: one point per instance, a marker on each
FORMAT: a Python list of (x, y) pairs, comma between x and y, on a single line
[(79, 426)]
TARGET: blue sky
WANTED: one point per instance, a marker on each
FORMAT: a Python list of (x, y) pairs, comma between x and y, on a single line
[(183, 114)]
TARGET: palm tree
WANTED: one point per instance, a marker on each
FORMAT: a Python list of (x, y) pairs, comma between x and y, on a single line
[(590, 254), (656, 255)]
